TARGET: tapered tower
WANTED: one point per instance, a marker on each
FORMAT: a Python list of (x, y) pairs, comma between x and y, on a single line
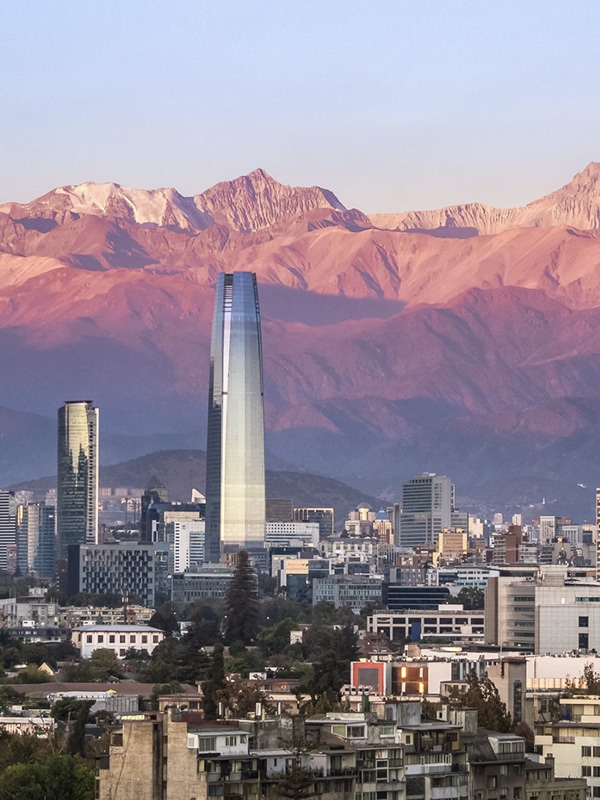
[(235, 451)]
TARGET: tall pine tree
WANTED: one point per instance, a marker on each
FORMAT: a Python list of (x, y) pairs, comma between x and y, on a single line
[(241, 604)]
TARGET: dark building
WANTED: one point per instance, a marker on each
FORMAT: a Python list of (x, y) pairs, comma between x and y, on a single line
[(324, 516), (155, 492), (397, 597), (127, 569), (279, 509)]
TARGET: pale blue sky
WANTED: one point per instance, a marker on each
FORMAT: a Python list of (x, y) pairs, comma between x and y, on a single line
[(392, 105)]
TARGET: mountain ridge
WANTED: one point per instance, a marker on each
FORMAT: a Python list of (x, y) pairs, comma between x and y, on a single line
[(385, 350)]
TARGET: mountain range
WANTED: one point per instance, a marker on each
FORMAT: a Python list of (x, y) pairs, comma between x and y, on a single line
[(461, 341)]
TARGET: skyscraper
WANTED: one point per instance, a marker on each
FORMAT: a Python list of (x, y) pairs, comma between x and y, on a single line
[(427, 505), (77, 487), (235, 451), (8, 526)]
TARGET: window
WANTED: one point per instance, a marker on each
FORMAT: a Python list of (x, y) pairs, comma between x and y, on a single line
[(586, 751), (207, 743), (122, 639), (155, 638), (503, 769), (144, 638), (100, 638), (88, 638), (596, 752), (583, 622), (111, 639), (583, 641), (492, 781), (517, 792), (230, 741), (596, 772), (596, 791), (132, 638)]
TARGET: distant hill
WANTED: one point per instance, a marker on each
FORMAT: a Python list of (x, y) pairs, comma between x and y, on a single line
[(183, 470)]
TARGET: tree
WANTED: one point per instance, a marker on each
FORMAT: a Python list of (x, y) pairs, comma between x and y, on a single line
[(173, 687), (482, 694), (328, 677), (296, 783), (100, 667), (165, 618), (274, 640), (471, 598), (55, 777), (241, 604), (214, 685)]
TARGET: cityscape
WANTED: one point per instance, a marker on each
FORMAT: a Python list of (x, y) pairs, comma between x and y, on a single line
[(299, 474)]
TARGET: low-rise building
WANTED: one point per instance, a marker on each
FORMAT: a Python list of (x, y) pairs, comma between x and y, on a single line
[(447, 622), (118, 638)]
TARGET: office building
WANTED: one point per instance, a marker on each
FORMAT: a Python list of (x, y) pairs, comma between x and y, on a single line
[(77, 476), (36, 548), (289, 534), (543, 609), (235, 451), (279, 509), (8, 527), (427, 505), (324, 516), (127, 569)]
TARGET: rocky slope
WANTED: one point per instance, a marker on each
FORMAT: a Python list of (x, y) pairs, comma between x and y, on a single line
[(577, 204), (463, 340)]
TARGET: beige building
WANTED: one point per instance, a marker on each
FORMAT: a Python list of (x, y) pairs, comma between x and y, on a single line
[(549, 609)]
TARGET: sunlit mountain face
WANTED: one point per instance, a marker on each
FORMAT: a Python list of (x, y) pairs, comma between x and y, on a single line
[(461, 341)]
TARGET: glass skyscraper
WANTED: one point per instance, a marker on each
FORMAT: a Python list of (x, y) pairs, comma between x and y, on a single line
[(77, 476), (235, 451)]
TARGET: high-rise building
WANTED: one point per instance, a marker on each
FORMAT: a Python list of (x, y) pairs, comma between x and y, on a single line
[(77, 476), (8, 527), (36, 549), (235, 451), (427, 505)]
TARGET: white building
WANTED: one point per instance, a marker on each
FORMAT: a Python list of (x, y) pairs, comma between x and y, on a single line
[(118, 638), (292, 534)]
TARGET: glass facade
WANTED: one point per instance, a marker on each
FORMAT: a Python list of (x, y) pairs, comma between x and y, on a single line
[(77, 487), (235, 452)]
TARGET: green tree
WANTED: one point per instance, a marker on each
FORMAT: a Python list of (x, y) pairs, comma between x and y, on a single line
[(296, 783), (214, 685), (482, 694), (173, 687), (101, 666), (276, 639), (329, 675), (165, 618), (471, 598), (56, 777), (241, 605)]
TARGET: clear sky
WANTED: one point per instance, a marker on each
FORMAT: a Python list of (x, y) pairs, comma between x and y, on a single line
[(392, 105)]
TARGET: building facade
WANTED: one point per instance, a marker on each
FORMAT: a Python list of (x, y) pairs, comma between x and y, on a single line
[(128, 569), (235, 451), (77, 476), (37, 539), (8, 527), (427, 505)]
